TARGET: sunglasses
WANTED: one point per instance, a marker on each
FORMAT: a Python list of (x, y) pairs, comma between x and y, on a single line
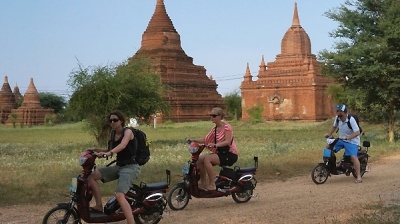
[(114, 120), (213, 115)]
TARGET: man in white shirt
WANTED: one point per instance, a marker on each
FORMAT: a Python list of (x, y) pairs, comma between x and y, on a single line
[(349, 138)]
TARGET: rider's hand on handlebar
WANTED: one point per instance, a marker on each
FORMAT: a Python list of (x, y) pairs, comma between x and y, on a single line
[(101, 154), (211, 145), (327, 136)]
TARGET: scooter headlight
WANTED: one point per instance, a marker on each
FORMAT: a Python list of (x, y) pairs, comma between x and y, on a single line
[(330, 140), (193, 147)]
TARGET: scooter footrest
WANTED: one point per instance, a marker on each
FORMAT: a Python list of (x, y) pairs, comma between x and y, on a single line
[(156, 186)]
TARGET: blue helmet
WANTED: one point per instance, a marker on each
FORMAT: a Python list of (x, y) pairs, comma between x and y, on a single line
[(342, 107)]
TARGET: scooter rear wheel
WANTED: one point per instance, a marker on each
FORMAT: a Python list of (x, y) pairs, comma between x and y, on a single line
[(242, 197), (178, 198), (319, 174), (59, 214), (148, 218)]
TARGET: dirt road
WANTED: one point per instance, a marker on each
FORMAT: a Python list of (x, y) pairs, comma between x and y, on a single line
[(297, 200)]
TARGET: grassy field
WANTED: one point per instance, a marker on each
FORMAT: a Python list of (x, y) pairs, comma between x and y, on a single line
[(37, 163)]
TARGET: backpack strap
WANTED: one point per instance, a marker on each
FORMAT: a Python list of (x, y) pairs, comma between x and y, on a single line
[(348, 123), (135, 139), (337, 124), (112, 137), (215, 137)]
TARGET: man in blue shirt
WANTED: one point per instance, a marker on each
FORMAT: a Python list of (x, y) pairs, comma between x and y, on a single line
[(349, 139)]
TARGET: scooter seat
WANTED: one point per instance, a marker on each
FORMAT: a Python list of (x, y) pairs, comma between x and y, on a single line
[(246, 170), (155, 186)]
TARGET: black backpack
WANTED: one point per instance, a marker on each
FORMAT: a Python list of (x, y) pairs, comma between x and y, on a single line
[(141, 145), (348, 123)]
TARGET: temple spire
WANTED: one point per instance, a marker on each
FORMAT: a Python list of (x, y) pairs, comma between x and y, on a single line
[(17, 93), (296, 20), (160, 32), (160, 21), (6, 89), (247, 75), (263, 67), (31, 97)]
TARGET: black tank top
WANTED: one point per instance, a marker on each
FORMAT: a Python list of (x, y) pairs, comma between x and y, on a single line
[(128, 152)]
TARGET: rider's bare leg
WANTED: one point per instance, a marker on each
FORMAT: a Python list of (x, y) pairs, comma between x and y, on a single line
[(356, 164), (200, 167), (209, 161), (126, 208), (93, 177)]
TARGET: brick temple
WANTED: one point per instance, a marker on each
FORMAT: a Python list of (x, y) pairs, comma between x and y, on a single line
[(291, 87), (29, 113), (7, 100), (193, 94)]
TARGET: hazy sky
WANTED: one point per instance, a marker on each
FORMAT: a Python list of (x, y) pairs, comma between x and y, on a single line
[(44, 39)]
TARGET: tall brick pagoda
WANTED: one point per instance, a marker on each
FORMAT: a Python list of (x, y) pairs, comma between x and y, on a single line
[(291, 87), (192, 94)]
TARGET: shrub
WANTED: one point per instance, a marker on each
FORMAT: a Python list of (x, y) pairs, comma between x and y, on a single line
[(256, 114)]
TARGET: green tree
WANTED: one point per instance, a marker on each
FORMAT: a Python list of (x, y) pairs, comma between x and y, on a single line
[(366, 57), (14, 118), (256, 113), (51, 100), (19, 102), (99, 90), (233, 102)]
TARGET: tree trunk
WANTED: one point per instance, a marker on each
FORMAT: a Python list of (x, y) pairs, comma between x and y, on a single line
[(391, 123)]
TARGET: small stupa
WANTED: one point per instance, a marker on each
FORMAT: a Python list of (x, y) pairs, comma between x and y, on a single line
[(31, 111), (7, 100)]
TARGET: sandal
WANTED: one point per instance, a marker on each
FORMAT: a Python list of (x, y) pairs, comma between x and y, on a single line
[(358, 181), (93, 210), (202, 187), (211, 188)]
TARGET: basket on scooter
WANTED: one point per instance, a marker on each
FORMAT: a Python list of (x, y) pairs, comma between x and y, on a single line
[(327, 153)]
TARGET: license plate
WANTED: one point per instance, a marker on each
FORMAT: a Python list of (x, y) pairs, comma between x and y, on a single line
[(73, 185), (185, 169)]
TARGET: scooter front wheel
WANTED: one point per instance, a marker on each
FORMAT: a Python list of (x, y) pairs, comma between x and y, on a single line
[(319, 174), (178, 198), (61, 214)]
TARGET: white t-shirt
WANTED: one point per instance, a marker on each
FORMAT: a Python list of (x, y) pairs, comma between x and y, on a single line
[(345, 131)]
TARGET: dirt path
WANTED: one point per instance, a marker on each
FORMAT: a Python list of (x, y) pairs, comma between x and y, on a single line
[(297, 200)]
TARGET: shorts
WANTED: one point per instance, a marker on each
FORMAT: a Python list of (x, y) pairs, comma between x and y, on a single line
[(126, 175), (349, 149), (227, 159)]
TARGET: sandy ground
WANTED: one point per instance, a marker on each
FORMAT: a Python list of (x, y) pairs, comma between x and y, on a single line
[(297, 200)]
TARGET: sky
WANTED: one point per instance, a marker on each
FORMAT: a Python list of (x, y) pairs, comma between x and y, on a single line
[(46, 39)]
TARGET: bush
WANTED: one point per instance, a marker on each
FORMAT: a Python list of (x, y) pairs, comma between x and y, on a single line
[(50, 119), (256, 114)]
